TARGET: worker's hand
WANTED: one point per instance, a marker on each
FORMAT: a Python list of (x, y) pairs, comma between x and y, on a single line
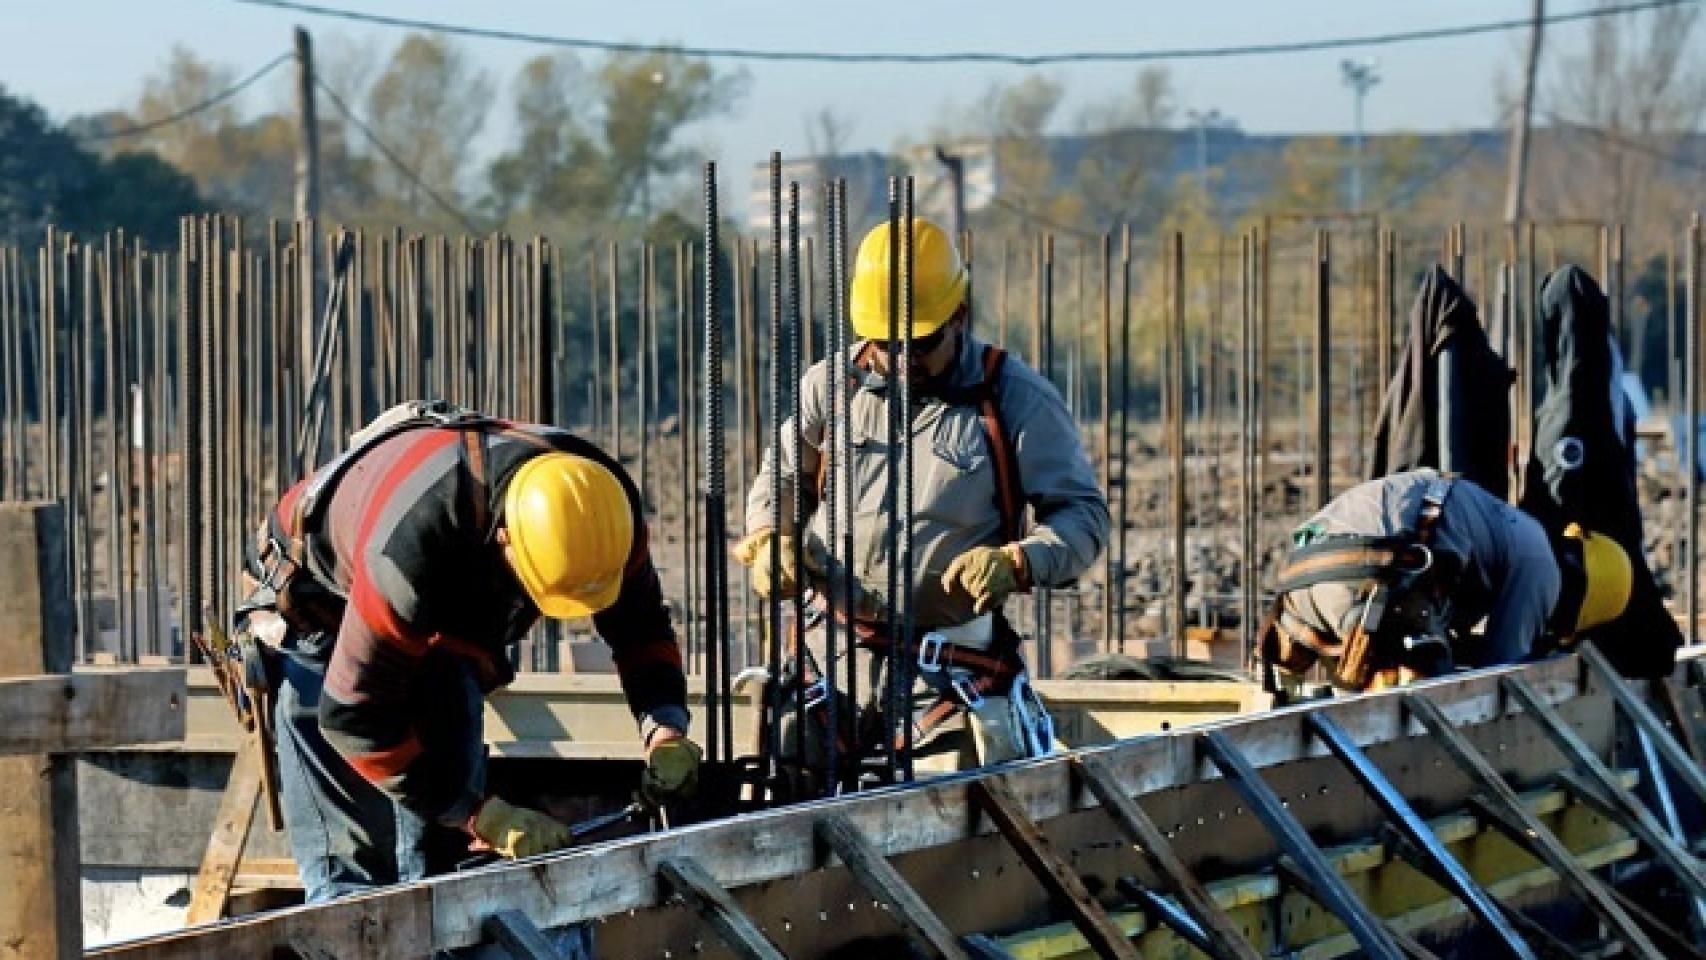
[(672, 768), (517, 832), (985, 574), (754, 552)]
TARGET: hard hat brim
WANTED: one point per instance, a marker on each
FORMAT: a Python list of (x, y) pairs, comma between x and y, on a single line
[(574, 608)]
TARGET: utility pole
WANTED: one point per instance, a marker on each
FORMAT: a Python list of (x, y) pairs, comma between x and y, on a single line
[(308, 140), (1361, 77), (956, 166), (1524, 119)]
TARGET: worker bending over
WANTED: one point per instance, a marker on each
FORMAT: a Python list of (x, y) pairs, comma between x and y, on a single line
[(405, 569), (1386, 584), (990, 436)]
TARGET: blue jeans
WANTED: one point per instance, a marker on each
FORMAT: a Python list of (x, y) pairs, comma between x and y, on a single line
[(347, 835)]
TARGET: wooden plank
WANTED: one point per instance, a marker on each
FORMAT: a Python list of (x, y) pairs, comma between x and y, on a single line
[(225, 847), (884, 882), (713, 903), (1142, 833), (511, 930), (997, 800), (1526, 830), (41, 913), (59, 713), (392, 924)]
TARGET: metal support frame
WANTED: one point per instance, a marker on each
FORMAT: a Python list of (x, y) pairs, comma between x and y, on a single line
[(997, 800), (1504, 810), (1437, 862), (713, 903), (1658, 785), (511, 930), (1217, 935), (1169, 914), (885, 883), (1644, 718), (1597, 786), (1407, 945), (1330, 889)]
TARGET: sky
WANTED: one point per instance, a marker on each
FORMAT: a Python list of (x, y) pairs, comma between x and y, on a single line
[(78, 56)]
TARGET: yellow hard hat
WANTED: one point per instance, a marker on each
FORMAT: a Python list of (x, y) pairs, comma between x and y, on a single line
[(1609, 575), (939, 281), (571, 529)]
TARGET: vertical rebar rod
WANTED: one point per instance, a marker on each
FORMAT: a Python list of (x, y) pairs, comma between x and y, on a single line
[(1176, 392), (1124, 519), (844, 373), (835, 424), (1323, 372), (1105, 411), (895, 374), (909, 571), (796, 499), (1042, 597), (1691, 380), (1246, 449), (611, 276), (717, 710), (775, 688), (645, 317), (684, 456)]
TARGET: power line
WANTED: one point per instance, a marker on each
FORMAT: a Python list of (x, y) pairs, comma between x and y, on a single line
[(396, 161), (194, 109), (1014, 59)]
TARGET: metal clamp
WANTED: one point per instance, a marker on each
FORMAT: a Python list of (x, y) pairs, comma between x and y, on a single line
[(966, 689), (930, 652)]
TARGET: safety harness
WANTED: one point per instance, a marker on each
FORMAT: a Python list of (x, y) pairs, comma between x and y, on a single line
[(1403, 586), (294, 564), (990, 671)]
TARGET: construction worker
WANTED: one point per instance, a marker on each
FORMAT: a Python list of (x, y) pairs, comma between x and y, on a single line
[(990, 436), (1385, 584), (403, 571)]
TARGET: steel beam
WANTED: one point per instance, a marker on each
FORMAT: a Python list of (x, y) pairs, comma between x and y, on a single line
[(1330, 889), (1642, 716)]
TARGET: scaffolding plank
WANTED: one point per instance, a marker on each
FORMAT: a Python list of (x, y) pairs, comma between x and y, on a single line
[(1603, 791), (1524, 828), (884, 882), (1221, 937), (1636, 710), (997, 801), (1294, 841), (713, 903), (1443, 867), (71, 713), (511, 930)]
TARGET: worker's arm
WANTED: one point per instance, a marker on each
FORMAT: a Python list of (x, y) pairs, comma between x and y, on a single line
[(804, 462), (1523, 597), (1071, 509), (638, 630)]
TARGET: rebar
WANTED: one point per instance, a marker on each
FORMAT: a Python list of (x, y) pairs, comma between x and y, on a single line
[(792, 371), (904, 374), (1176, 391)]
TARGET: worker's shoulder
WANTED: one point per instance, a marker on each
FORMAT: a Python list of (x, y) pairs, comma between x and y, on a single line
[(1022, 388)]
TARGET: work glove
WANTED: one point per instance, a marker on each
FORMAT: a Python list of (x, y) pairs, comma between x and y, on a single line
[(754, 553), (985, 574), (517, 832), (672, 771)]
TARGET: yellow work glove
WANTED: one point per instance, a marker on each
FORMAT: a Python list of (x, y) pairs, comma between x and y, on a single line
[(754, 553), (985, 574), (672, 771), (519, 832)]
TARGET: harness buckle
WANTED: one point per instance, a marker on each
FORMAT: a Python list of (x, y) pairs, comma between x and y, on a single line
[(816, 694), (931, 650), (966, 689)]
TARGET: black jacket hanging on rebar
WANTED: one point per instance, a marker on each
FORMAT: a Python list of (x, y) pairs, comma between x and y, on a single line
[(1582, 469), (1447, 406)]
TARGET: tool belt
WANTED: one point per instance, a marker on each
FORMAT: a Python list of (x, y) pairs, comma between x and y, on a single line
[(1404, 589)]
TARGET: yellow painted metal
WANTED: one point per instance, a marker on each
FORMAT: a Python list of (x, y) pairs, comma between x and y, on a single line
[(1391, 887)]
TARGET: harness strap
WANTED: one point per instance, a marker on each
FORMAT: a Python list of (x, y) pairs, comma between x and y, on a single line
[(986, 396)]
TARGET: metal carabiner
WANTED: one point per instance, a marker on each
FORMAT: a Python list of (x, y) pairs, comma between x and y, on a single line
[(966, 689), (815, 695), (930, 650)]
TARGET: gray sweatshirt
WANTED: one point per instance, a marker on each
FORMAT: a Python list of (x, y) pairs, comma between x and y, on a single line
[(954, 482), (1511, 574)]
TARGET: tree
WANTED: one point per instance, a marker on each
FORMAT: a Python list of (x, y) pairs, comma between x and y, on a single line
[(427, 105), (1123, 173), (553, 176), (647, 99)]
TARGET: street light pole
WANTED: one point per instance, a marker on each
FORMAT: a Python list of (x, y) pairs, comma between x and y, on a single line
[(1361, 77)]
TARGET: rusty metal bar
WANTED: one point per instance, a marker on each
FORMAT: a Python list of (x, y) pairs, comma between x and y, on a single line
[(880, 879), (1176, 407)]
